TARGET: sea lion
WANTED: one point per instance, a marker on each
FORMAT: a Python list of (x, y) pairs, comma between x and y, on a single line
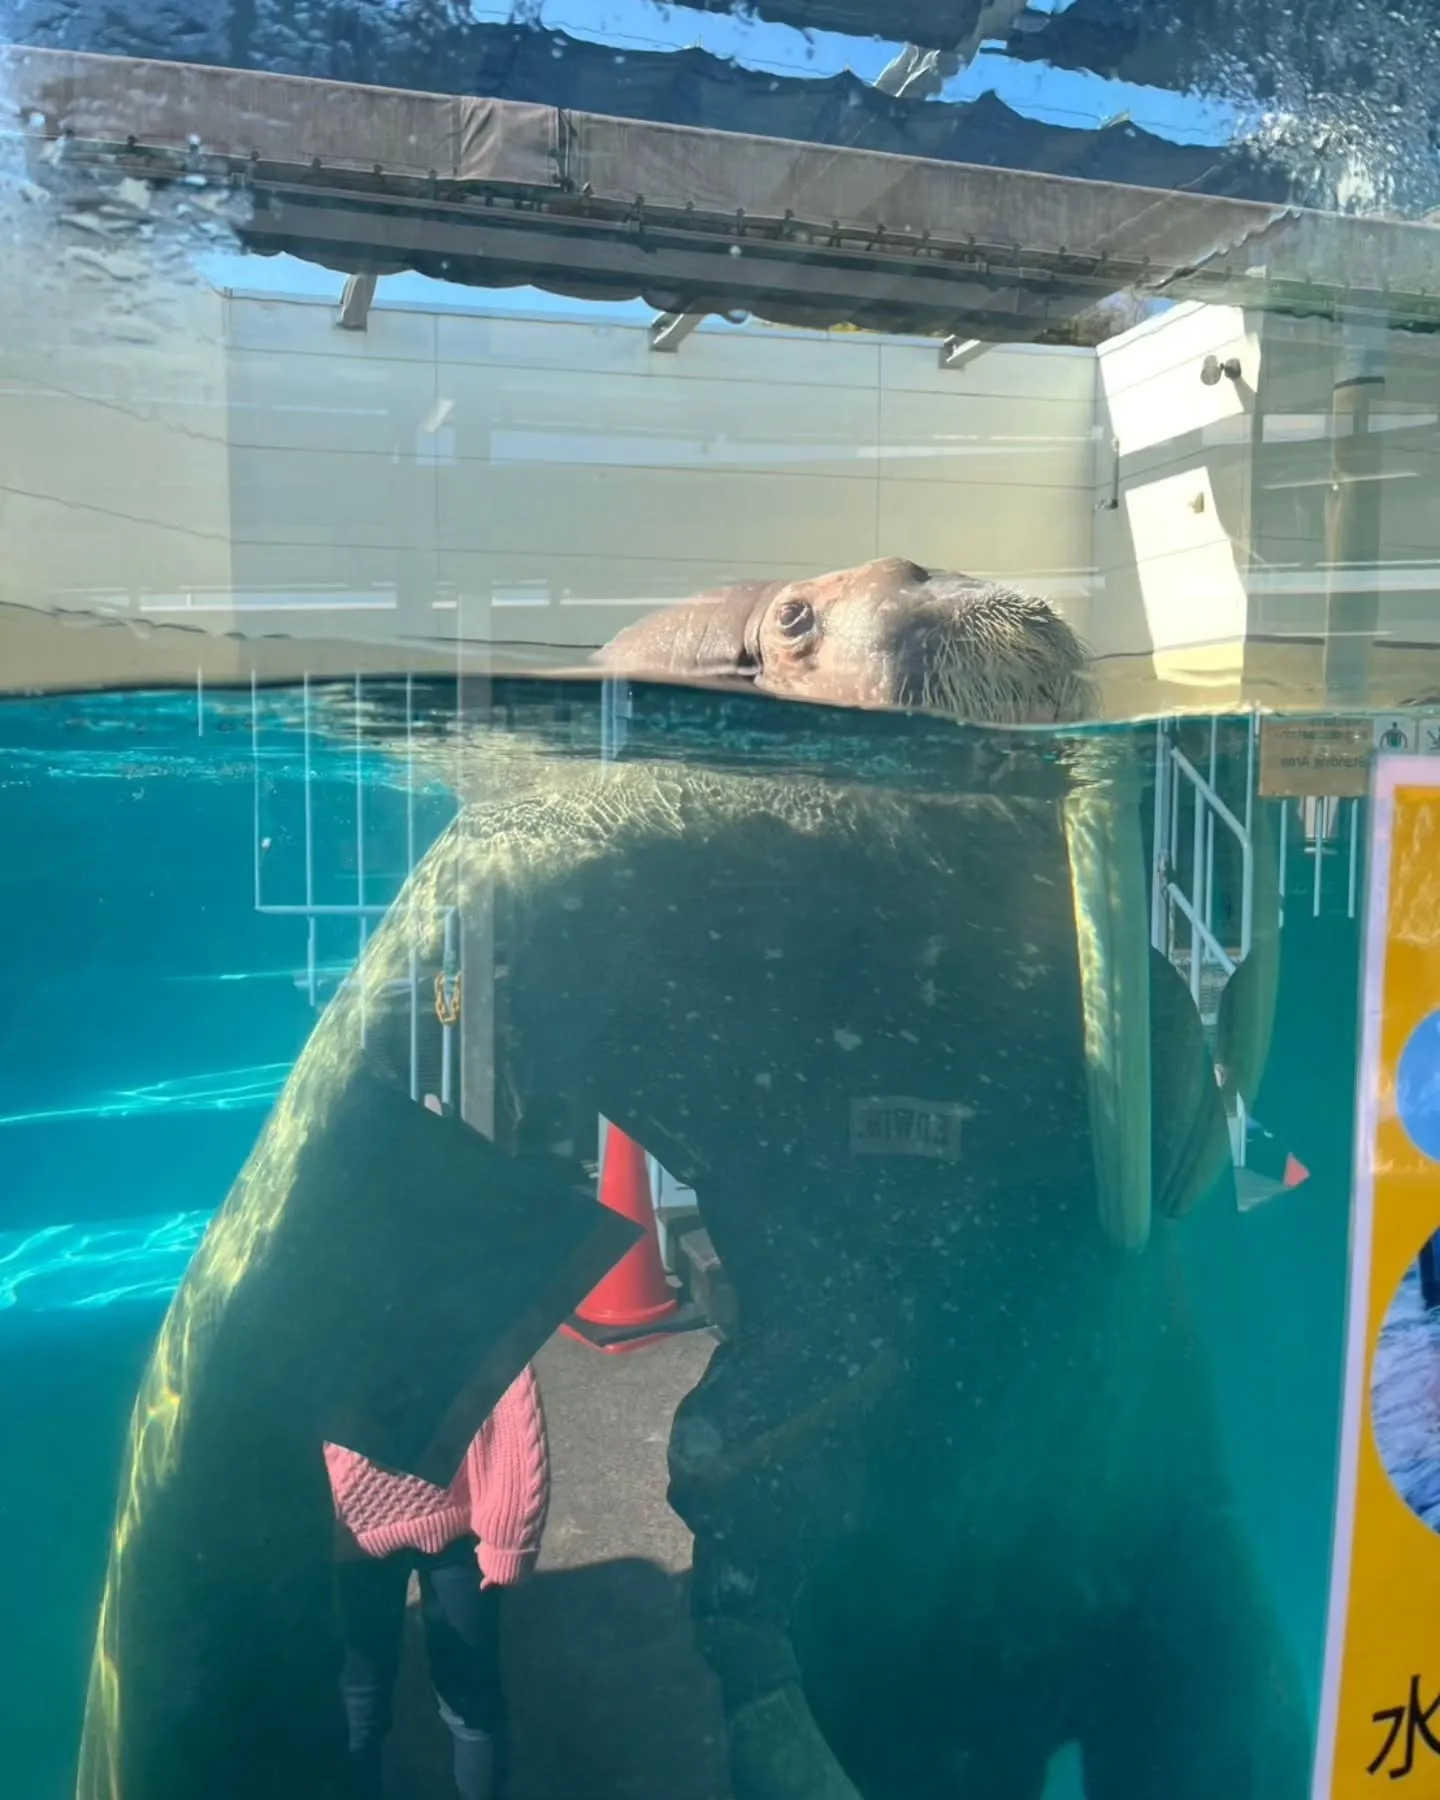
[(890, 633), (941, 1106), (894, 1469)]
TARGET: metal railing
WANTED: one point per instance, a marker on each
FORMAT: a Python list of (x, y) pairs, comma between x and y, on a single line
[(369, 903), (1320, 824), (1178, 785), (1183, 913)]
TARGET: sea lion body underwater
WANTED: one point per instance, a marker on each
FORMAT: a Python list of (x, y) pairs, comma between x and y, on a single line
[(955, 1481), (376, 1278)]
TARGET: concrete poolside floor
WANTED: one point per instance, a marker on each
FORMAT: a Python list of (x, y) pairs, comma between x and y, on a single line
[(609, 1699)]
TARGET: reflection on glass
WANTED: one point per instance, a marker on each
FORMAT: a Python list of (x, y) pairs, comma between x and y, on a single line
[(777, 618)]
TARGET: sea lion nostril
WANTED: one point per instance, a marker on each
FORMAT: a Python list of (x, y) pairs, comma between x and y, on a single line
[(795, 617)]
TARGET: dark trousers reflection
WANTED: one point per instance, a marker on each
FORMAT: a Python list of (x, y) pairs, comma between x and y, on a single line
[(462, 1646)]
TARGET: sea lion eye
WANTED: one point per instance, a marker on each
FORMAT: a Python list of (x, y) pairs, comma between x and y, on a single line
[(795, 618)]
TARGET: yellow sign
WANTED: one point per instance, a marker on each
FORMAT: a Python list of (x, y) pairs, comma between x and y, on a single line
[(1380, 1715), (1305, 758)]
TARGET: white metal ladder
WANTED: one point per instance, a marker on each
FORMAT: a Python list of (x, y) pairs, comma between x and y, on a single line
[(1183, 911)]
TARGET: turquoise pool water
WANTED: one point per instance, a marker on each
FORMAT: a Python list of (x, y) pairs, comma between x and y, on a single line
[(188, 882), (151, 1012), (149, 1015)]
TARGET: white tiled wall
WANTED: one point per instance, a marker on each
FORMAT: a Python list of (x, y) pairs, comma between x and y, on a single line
[(526, 480), (519, 479), (514, 478), (114, 458), (522, 480)]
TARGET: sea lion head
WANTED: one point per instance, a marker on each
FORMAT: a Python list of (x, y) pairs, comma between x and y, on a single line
[(883, 634)]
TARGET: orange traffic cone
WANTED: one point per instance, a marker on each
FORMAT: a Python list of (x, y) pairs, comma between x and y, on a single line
[(635, 1304)]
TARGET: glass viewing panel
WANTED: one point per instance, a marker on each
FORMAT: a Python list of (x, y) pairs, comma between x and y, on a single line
[(719, 742)]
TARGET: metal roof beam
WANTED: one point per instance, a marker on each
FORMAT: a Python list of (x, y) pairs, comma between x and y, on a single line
[(772, 280), (354, 313), (956, 352), (671, 329)]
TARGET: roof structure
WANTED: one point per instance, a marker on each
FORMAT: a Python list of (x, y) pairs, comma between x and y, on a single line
[(691, 86), (499, 193), (1339, 100)]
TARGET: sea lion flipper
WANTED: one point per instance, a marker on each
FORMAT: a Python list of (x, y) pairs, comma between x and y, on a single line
[(1192, 1141), (1102, 834), (378, 1278), (1245, 1024), (440, 1266), (777, 1752)]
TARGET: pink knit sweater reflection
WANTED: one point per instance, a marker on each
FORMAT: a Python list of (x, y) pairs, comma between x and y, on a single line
[(501, 1494)]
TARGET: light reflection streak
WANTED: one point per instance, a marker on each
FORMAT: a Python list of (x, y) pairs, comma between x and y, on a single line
[(225, 1090), (82, 1267)]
